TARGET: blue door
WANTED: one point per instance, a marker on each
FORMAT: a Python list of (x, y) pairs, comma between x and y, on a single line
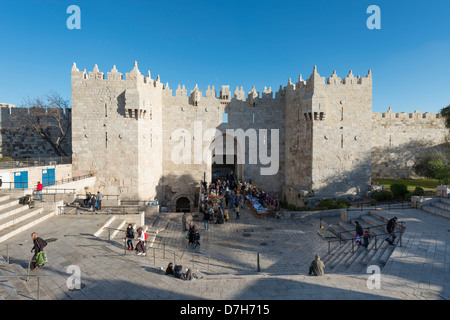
[(21, 180), (48, 177)]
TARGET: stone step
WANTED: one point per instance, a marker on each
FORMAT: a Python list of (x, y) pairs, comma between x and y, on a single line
[(436, 210), (113, 223), (14, 288), (12, 210), (31, 283), (444, 200), (380, 240), (346, 262), (341, 254), (349, 228), (375, 260), (441, 205), (19, 227), (5, 204), (337, 252), (22, 215), (352, 253), (4, 197), (336, 229), (374, 223)]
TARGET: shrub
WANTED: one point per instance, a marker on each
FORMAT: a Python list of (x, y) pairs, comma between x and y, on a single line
[(291, 207), (409, 195), (328, 204), (418, 191), (382, 195), (399, 189)]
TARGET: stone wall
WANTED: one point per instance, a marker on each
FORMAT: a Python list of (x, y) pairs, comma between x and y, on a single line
[(19, 142), (328, 141), (398, 138)]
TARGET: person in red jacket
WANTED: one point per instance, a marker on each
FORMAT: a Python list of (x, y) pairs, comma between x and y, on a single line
[(39, 190)]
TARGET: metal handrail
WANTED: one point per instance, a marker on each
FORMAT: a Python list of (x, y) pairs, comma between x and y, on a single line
[(360, 207), (164, 250), (15, 185), (7, 249), (38, 276), (353, 238)]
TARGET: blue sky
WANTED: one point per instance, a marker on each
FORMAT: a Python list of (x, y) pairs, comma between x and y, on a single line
[(244, 43)]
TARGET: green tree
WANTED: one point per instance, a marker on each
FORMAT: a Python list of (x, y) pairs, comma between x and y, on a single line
[(445, 112), (423, 167), (441, 170)]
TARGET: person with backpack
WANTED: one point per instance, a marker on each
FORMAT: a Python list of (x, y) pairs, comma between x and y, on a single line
[(141, 243), (129, 235), (196, 239), (390, 228), (39, 245)]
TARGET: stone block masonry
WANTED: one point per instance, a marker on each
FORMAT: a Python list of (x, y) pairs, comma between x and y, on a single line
[(126, 129)]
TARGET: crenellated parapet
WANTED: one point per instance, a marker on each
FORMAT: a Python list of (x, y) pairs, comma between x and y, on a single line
[(114, 75), (416, 115)]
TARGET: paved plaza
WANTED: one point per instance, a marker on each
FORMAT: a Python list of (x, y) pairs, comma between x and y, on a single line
[(227, 261)]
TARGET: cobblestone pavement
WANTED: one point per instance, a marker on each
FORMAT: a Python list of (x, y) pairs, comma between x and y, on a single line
[(226, 261)]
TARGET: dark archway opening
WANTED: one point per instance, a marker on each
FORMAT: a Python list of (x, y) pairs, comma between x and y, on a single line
[(224, 169), (183, 205)]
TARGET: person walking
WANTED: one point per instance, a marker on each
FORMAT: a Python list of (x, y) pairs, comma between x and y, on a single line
[(206, 218), (191, 233), (390, 228), (38, 247), (184, 221), (99, 200), (141, 243), (366, 238), (237, 211), (359, 232), (129, 235), (39, 188), (317, 267), (196, 239)]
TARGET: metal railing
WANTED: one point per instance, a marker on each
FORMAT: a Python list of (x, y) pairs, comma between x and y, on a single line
[(14, 185), (38, 276), (27, 276), (163, 250), (375, 235), (381, 205), (112, 209)]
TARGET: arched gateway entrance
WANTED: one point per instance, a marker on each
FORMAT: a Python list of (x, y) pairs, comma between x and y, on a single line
[(183, 204), (225, 160)]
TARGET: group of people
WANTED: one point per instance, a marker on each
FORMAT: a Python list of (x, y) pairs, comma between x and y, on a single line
[(94, 201), (363, 237), (177, 272), (141, 237)]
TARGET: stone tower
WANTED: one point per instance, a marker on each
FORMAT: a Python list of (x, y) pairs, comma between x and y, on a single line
[(328, 136)]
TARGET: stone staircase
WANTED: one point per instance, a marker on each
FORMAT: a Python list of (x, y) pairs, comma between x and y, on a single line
[(114, 228), (16, 217), (440, 207), (348, 257), (14, 284)]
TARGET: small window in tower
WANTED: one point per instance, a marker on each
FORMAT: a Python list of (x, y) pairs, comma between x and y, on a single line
[(225, 117)]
